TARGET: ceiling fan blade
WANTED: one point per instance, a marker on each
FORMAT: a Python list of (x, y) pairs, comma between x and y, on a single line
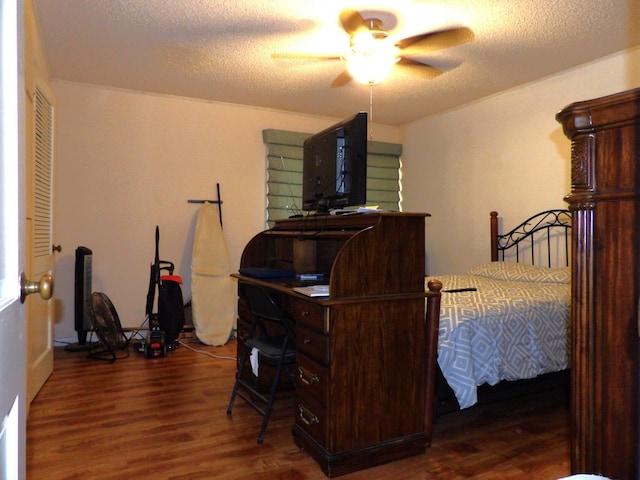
[(419, 69), (428, 42), (351, 21), (342, 79), (304, 56)]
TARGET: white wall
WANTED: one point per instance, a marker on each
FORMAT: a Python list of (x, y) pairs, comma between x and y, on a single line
[(505, 153), (128, 161)]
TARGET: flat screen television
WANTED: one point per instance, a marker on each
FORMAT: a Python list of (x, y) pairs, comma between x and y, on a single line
[(334, 166)]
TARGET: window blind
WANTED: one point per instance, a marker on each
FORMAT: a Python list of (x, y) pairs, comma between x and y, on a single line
[(284, 173)]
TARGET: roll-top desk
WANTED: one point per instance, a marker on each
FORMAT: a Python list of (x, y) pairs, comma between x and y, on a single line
[(365, 355)]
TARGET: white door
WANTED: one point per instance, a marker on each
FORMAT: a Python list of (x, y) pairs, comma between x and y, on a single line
[(12, 208)]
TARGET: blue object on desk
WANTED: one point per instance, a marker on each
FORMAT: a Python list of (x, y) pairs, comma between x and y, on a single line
[(305, 277)]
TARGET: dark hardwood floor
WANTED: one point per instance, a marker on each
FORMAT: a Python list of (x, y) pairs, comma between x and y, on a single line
[(166, 418)]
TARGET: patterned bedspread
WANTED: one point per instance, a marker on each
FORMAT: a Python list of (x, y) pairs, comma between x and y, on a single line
[(515, 326)]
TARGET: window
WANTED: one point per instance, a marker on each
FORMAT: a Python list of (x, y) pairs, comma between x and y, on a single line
[(284, 173)]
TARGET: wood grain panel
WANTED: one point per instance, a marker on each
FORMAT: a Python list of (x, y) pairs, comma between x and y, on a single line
[(605, 198)]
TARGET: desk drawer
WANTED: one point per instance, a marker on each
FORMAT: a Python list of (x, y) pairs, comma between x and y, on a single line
[(312, 418), (309, 314), (312, 379), (313, 344)]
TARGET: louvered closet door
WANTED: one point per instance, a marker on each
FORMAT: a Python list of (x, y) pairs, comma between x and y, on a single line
[(40, 313)]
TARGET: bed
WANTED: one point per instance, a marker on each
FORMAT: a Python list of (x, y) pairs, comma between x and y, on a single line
[(507, 321)]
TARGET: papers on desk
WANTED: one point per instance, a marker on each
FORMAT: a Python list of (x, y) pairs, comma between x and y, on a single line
[(351, 211), (313, 290)]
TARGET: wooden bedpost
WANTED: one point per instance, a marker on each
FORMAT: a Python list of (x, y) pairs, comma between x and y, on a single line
[(494, 236), (432, 325)]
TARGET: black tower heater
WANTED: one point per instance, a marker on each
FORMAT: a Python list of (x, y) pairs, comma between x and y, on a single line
[(84, 258)]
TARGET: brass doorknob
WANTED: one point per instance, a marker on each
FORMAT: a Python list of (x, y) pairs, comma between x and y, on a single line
[(44, 287)]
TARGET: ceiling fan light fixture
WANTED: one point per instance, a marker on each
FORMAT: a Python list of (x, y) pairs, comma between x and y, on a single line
[(366, 38), (374, 53), (372, 64)]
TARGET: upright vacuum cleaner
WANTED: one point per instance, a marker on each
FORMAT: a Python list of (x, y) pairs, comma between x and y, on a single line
[(166, 324)]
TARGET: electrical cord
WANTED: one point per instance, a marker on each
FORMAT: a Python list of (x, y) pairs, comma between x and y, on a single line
[(204, 352), (138, 332)]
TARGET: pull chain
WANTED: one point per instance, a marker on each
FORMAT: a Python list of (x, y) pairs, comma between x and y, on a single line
[(370, 110)]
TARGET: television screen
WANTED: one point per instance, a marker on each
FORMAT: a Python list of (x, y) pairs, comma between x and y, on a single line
[(334, 166)]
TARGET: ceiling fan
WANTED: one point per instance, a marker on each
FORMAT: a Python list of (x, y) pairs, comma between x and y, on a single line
[(372, 55)]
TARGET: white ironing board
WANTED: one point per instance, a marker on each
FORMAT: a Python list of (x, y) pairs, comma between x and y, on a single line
[(213, 293)]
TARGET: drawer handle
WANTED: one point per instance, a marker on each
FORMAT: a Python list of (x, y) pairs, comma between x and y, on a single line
[(304, 313), (307, 377), (307, 416)]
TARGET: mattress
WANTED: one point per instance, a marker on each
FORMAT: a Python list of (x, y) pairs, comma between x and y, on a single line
[(513, 326)]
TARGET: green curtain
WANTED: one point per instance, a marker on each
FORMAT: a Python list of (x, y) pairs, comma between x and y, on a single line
[(284, 173)]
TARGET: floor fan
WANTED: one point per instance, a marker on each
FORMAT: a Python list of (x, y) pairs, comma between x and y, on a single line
[(106, 323)]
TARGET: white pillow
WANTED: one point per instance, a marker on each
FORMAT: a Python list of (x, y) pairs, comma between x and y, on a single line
[(519, 272)]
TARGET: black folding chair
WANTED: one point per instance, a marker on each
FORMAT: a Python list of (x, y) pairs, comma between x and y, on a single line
[(274, 350)]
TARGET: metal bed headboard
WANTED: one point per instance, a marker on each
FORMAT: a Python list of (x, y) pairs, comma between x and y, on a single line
[(541, 227)]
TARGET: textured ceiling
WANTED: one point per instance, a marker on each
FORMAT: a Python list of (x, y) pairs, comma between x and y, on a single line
[(222, 50)]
